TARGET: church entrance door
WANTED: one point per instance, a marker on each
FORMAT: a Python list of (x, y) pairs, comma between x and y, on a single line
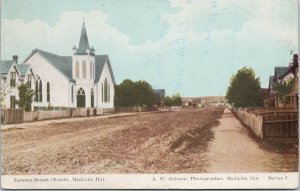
[(80, 98)]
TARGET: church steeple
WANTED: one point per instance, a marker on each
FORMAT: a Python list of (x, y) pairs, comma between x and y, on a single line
[(84, 46), (83, 59)]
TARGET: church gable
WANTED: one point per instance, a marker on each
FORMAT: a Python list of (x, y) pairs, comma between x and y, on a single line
[(61, 63), (100, 63)]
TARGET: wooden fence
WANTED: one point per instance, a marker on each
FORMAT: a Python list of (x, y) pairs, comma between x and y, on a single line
[(280, 124), (270, 123), (43, 115), (255, 122), (9, 116), (12, 116)]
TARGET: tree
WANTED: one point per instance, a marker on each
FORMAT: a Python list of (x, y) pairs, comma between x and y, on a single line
[(129, 94), (283, 88), (169, 101), (124, 94), (4, 90), (25, 97), (244, 89), (175, 100), (144, 94)]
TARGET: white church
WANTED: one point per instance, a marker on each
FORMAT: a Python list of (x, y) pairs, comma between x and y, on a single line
[(81, 80)]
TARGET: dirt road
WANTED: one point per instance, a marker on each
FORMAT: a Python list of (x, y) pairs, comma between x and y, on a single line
[(235, 150), (154, 142), (184, 141)]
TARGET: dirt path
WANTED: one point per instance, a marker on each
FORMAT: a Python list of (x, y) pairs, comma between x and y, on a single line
[(233, 150)]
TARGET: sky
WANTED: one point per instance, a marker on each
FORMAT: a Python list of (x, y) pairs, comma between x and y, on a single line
[(188, 46)]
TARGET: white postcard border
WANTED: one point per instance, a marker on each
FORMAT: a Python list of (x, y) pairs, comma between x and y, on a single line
[(287, 180)]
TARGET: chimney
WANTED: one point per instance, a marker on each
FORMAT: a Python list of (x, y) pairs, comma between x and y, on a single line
[(15, 58)]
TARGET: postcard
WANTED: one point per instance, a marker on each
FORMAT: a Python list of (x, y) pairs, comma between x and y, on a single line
[(156, 94)]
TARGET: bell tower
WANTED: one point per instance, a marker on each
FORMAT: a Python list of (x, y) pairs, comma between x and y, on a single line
[(83, 60)]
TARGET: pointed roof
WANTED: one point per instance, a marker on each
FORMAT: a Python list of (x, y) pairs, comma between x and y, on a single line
[(100, 62), (280, 70), (5, 66), (83, 42), (23, 68), (64, 64)]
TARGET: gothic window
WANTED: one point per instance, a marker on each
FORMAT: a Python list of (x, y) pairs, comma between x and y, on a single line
[(48, 92), (77, 69), (92, 97), (36, 91), (13, 79), (91, 70), (102, 93), (81, 92), (40, 91), (80, 98), (72, 94), (84, 70), (29, 80), (108, 93), (105, 90)]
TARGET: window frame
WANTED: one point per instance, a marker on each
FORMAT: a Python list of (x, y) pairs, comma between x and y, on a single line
[(48, 91), (13, 76)]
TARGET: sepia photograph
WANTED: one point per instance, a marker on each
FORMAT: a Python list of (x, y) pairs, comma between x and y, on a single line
[(156, 94)]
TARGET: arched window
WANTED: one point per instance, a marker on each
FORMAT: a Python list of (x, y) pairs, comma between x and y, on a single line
[(102, 93), (84, 70), (29, 80), (48, 92), (91, 70), (72, 94), (108, 93), (40, 91), (81, 92), (36, 91), (92, 97), (77, 69), (105, 90), (80, 98)]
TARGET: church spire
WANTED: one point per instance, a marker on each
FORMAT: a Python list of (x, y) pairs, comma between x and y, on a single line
[(83, 42)]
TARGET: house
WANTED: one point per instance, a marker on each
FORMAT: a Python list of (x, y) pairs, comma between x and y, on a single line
[(282, 75), (82, 80), (12, 75), (291, 99)]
